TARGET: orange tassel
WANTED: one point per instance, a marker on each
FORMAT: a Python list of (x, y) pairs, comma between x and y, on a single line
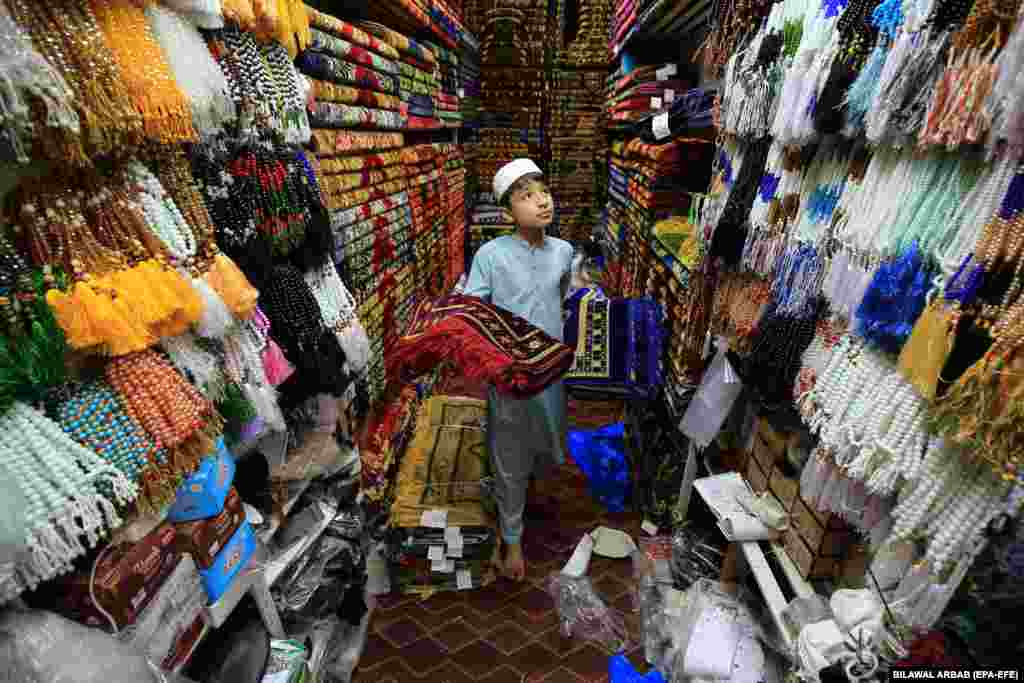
[(234, 288), (73, 318)]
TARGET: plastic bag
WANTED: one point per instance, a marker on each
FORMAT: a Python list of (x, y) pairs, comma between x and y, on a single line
[(287, 662), (582, 612), (344, 651), (718, 390), (694, 557), (42, 647), (621, 671), (601, 455)]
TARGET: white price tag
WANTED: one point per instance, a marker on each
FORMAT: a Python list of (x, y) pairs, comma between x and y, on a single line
[(434, 519), (655, 103), (463, 580), (444, 566), (453, 534), (435, 553), (669, 95), (660, 126), (462, 92), (455, 551), (649, 528), (666, 72)]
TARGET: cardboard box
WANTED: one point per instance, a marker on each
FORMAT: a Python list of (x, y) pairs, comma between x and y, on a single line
[(231, 560), (809, 565), (128, 577), (204, 538), (166, 626), (756, 476), (785, 488), (202, 495)]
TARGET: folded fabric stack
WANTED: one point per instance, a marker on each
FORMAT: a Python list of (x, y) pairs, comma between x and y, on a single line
[(364, 184), (515, 36), (385, 434), (498, 146), (448, 64), (690, 114), (648, 217), (623, 21), (487, 222), (656, 17), (355, 77), (417, 77), (436, 197), (469, 84), (513, 98), (643, 90), (442, 535), (590, 46), (578, 150), (618, 346), (448, 110), (455, 210)]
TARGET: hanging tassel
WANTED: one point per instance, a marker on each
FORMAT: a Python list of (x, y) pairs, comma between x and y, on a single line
[(225, 278), (216, 319)]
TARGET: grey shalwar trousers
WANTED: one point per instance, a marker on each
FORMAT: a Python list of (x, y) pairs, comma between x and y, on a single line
[(524, 437)]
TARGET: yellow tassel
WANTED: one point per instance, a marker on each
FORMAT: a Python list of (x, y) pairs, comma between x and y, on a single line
[(132, 286), (234, 288), (163, 298), (73, 318)]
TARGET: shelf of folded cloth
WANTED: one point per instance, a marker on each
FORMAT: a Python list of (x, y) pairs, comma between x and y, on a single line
[(515, 37), (660, 25), (410, 18)]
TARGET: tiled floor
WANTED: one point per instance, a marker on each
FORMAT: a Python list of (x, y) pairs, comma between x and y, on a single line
[(507, 633)]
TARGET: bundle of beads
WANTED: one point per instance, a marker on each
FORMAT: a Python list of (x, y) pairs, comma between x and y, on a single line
[(94, 417), (72, 494), (171, 410)]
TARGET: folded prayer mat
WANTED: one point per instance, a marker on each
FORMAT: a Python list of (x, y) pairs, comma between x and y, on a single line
[(484, 342)]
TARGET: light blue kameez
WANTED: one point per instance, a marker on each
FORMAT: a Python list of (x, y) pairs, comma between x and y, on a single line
[(523, 435)]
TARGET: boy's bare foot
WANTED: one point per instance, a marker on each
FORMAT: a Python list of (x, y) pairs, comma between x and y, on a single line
[(515, 564)]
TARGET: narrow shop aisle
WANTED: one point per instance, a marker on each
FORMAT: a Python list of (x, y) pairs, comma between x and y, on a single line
[(508, 632)]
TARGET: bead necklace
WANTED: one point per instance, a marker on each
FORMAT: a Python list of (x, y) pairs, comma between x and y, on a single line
[(94, 417), (63, 482)]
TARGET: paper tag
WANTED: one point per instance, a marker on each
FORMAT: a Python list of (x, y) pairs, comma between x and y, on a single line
[(666, 72), (670, 96), (660, 126), (463, 580), (455, 551), (434, 519), (649, 528), (453, 534), (655, 103), (436, 553), (462, 92), (443, 567)]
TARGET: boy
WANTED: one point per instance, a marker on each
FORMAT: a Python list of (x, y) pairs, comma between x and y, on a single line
[(526, 274)]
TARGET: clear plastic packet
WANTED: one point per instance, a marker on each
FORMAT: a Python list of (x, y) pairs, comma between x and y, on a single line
[(718, 390), (41, 647), (583, 613), (694, 557), (288, 662)]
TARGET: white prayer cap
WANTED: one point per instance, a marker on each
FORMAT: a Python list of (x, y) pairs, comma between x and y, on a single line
[(511, 172)]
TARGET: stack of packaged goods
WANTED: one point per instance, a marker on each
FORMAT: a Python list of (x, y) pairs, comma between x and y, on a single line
[(634, 95), (447, 101), (355, 77), (590, 46), (578, 149), (442, 533)]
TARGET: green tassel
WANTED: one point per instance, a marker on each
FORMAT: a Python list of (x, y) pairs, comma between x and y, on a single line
[(236, 410)]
